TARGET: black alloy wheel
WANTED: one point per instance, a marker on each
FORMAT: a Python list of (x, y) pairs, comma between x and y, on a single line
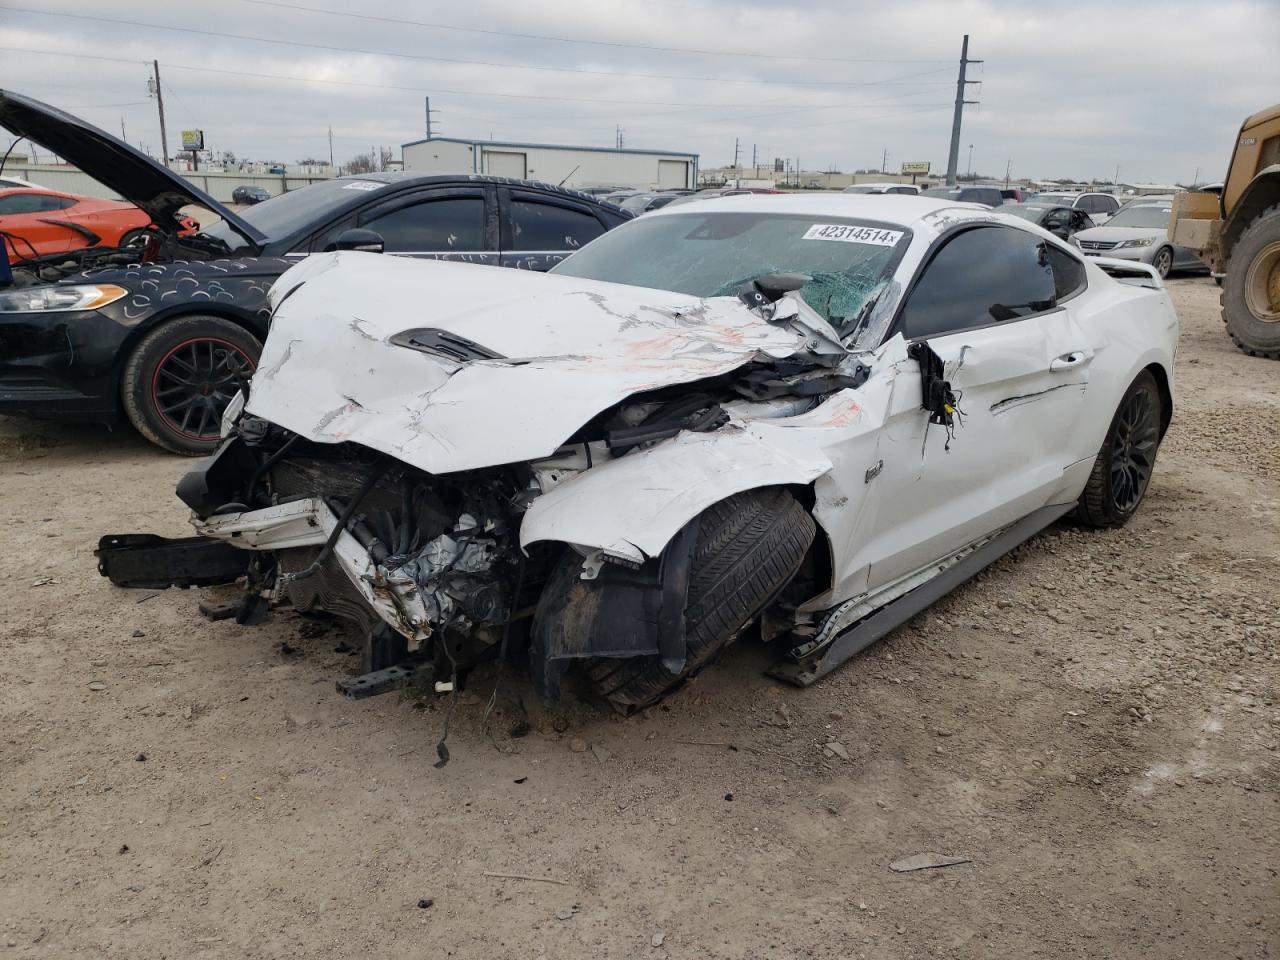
[(1123, 467), (1134, 439), (179, 379), (195, 381)]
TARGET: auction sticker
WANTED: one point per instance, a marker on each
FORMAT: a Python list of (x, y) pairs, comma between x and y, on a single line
[(847, 233), (363, 185)]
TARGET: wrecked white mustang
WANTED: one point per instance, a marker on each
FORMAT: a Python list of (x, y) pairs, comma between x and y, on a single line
[(818, 413)]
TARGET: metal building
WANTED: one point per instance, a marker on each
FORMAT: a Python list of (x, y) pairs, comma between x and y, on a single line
[(554, 163)]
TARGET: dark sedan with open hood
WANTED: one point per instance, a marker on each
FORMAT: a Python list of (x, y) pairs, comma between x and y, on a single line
[(165, 331)]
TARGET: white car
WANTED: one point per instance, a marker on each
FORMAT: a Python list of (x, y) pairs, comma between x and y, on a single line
[(905, 188), (815, 412), (1099, 206), (11, 183)]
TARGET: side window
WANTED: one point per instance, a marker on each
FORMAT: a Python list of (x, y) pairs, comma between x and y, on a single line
[(981, 276), (1056, 219), (1068, 273), (545, 226), (22, 203), (1106, 205), (56, 203), (449, 225)]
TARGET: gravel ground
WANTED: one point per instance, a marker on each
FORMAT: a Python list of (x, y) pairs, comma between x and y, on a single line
[(1092, 722)]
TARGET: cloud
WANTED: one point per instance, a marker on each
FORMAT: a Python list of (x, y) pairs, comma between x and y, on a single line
[(1154, 88)]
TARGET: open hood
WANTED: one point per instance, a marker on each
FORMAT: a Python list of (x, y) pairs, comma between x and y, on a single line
[(112, 162), (453, 366)]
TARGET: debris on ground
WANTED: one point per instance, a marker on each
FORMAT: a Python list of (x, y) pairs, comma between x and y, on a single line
[(926, 861)]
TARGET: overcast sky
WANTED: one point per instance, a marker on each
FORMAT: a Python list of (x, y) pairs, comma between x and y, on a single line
[(1155, 87)]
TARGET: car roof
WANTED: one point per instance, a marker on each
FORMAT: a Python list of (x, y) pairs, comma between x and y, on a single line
[(900, 209), (409, 177), (11, 191)]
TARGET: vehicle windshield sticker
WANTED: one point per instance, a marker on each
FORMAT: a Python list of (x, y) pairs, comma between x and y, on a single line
[(363, 185), (847, 233)]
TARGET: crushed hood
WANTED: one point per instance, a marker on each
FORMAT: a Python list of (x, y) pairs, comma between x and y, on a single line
[(550, 352), (112, 162)]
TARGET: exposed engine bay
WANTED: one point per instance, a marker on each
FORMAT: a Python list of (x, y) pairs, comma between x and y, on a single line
[(439, 558), (160, 246)]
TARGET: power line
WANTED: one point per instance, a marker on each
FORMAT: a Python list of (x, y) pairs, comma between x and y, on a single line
[(473, 63), (423, 89), (103, 106), (599, 43)]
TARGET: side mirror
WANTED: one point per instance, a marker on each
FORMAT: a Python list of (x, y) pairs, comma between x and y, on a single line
[(366, 241)]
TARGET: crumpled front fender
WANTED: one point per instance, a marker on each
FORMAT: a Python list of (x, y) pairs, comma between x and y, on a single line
[(632, 507)]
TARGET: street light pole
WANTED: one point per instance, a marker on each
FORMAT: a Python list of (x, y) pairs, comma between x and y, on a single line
[(969, 175)]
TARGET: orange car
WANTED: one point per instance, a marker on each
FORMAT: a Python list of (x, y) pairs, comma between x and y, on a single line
[(37, 223)]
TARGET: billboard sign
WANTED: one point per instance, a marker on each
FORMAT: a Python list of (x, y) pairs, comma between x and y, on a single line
[(915, 167), (192, 139)]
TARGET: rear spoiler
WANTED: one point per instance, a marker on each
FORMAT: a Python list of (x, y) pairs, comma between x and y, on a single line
[(1140, 274)]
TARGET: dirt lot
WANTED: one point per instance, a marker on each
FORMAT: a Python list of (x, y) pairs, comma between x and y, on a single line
[(1093, 721)]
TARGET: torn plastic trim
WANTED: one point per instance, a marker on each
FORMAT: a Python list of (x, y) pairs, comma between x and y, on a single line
[(620, 611), (309, 522)]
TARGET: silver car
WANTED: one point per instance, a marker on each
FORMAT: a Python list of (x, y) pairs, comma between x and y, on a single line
[(1139, 231)]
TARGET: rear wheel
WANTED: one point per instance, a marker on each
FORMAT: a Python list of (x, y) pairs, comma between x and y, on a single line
[(136, 238), (181, 377), (1251, 291), (748, 548), (1128, 456)]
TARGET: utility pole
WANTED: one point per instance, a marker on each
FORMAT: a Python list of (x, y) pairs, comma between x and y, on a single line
[(164, 137), (331, 147), (953, 158), (884, 160), (620, 139), (970, 174), (754, 161), (429, 112), (122, 136), (1008, 165), (735, 153)]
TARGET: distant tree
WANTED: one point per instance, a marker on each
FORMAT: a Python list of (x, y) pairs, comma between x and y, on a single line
[(312, 162), (228, 157), (364, 163), (385, 156)]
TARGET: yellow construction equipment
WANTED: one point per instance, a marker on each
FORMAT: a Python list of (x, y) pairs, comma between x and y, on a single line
[(1237, 233)]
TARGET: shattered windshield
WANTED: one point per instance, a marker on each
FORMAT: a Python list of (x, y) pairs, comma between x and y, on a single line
[(714, 253)]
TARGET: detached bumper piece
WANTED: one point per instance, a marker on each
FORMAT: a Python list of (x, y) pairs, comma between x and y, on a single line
[(143, 560), (384, 681)]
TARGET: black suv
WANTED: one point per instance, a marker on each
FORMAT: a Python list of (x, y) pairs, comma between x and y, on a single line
[(167, 341)]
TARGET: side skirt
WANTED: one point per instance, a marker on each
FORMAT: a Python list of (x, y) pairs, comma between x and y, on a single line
[(805, 665)]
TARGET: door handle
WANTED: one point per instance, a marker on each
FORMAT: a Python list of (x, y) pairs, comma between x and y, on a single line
[(1071, 361)]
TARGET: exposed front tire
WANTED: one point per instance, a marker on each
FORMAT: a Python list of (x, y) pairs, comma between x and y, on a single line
[(180, 378), (748, 548), (1127, 458), (1251, 290)]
